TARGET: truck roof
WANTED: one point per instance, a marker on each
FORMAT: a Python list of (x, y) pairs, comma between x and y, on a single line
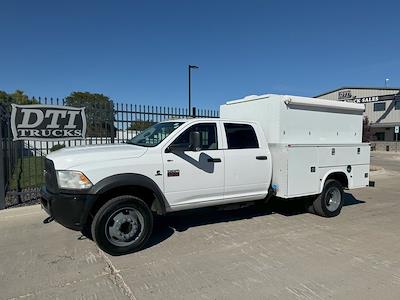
[(303, 101), (299, 120), (187, 120)]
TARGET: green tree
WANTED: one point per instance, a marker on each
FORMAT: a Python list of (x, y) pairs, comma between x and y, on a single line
[(18, 97), (366, 133), (140, 125), (99, 112)]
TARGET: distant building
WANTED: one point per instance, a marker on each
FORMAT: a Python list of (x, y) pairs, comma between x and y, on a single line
[(382, 107)]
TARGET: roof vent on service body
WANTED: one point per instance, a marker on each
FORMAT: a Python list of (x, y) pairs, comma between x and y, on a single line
[(250, 97)]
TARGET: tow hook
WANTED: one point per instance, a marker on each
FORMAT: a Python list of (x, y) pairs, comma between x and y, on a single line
[(48, 220)]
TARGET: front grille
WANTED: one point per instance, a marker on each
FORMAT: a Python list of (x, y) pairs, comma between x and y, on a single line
[(50, 176)]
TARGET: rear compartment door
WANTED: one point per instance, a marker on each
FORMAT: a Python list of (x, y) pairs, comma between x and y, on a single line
[(302, 171)]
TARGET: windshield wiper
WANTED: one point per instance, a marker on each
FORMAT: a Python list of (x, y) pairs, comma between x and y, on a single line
[(138, 144)]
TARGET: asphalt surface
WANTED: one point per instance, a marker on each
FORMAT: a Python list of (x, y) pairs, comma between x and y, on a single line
[(278, 252)]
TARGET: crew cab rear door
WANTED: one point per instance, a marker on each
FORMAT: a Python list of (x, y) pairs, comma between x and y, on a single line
[(247, 162)]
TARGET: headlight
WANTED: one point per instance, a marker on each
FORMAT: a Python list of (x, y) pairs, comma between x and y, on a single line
[(73, 180)]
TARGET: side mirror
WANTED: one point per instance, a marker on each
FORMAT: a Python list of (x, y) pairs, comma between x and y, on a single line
[(194, 141), (171, 149)]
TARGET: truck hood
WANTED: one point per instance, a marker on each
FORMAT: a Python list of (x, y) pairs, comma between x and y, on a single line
[(72, 158)]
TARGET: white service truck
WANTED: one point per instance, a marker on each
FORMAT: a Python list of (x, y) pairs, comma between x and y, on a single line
[(262, 146)]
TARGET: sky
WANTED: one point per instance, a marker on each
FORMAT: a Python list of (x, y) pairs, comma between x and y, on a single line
[(138, 51)]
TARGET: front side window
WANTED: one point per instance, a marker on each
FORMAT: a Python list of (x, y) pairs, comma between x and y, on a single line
[(208, 137), (379, 106), (155, 134), (240, 136)]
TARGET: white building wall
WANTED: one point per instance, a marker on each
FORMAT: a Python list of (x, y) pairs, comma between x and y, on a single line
[(383, 121), (390, 115), (358, 93)]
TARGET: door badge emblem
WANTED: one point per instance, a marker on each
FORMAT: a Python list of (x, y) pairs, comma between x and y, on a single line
[(173, 173)]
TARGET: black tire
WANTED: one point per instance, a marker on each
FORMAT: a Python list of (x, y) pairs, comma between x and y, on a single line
[(122, 225), (324, 205), (309, 204)]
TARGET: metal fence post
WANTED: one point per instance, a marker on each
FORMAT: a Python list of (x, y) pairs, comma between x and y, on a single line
[(2, 169), (112, 118), (194, 112), (2, 179)]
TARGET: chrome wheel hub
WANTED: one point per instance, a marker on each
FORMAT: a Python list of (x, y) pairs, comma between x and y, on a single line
[(333, 199)]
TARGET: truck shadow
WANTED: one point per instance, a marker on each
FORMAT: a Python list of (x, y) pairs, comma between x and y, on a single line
[(166, 226), (349, 199), (202, 163)]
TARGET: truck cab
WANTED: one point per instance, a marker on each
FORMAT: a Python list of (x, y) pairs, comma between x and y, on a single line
[(173, 165)]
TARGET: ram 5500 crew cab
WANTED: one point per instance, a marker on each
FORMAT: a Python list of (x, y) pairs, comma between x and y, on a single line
[(261, 146)]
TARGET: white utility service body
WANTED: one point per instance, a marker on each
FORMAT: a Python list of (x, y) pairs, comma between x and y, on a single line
[(260, 146), (308, 139)]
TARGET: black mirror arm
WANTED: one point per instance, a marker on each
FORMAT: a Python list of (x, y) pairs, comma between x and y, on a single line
[(195, 142)]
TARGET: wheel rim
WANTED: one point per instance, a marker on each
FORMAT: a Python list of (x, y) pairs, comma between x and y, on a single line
[(333, 198), (124, 226)]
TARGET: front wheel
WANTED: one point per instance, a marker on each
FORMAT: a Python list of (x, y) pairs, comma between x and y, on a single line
[(330, 202), (122, 225)]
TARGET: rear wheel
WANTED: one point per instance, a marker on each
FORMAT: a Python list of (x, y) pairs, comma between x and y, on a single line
[(330, 202), (122, 225)]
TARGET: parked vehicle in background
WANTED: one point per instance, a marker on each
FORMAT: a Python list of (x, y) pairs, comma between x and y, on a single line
[(261, 146)]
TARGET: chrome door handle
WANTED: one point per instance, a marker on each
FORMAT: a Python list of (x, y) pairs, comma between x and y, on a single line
[(215, 160)]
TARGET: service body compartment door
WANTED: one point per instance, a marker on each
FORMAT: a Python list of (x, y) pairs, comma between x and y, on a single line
[(343, 155), (302, 171), (357, 156)]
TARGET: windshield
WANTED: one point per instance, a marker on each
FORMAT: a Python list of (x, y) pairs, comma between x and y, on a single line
[(155, 134)]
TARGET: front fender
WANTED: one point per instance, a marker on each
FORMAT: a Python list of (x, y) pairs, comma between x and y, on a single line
[(130, 179)]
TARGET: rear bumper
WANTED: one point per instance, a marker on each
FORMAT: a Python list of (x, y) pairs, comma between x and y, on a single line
[(70, 210)]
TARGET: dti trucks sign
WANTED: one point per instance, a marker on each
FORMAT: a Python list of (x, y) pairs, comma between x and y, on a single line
[(47, 122)]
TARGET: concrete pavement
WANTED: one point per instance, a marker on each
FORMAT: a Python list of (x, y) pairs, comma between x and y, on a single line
[(41, 261), (388, 160), (274, 253)]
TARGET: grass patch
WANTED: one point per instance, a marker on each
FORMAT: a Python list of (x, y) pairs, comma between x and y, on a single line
[(28, 173)]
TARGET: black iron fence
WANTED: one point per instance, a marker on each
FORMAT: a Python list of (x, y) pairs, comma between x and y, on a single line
[(22, 162), (9, 153)]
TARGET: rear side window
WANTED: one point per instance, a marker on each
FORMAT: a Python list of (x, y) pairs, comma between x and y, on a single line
[(240, 136)]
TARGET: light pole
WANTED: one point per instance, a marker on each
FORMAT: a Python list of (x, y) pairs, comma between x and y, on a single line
[(386, 82), (190, 67)]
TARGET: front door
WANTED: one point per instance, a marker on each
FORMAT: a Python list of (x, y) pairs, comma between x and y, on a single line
[(194, 176)]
